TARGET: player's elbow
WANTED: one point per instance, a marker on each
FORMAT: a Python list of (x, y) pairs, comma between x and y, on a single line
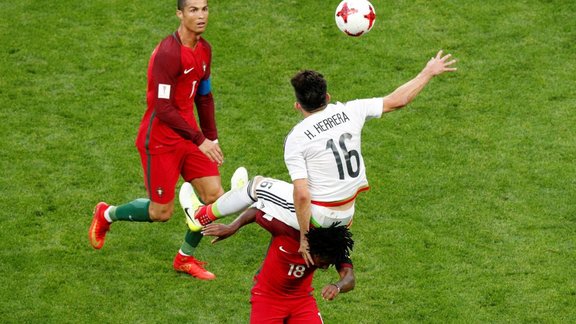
[(352, 284), (301, 196), (392, 103)]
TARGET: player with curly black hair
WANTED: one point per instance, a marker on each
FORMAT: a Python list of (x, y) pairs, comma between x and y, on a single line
[(282, 288), (333, 243)]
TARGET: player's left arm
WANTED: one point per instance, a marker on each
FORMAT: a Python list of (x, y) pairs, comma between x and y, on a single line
[(223, 231), (206, 112), (404, 94), (346, 283), (204, 101)]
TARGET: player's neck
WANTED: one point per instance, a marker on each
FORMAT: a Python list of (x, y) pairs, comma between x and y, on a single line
[(309, 113), (187, 37)]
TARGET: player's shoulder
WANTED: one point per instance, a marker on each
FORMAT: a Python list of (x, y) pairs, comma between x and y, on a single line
[(293, 133), (205, 44), (169, 46)]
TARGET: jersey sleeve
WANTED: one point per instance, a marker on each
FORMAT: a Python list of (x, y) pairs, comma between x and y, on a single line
[(208, 71), (369, 108), (294, 157), (205, 102), (344, 264)]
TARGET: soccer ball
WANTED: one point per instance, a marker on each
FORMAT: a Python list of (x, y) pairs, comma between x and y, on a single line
[(355, 17)]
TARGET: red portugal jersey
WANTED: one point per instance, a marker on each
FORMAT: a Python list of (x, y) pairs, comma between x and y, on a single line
[(174, 74), (283, 273)]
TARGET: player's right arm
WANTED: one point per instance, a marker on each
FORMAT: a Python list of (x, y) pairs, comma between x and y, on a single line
[(303, 207), (404, 94), (296, 165)]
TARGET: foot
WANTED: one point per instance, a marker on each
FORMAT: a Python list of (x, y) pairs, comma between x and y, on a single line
[(99, 226), (239, 178), (192, 266), (190, 204)]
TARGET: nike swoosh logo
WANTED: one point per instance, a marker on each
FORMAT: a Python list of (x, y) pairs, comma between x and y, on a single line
[(281, 248), (188, 70), (191, 217)]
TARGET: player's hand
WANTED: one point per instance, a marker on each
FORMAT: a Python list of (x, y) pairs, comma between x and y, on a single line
[(440, 64), (305, 251), (221, 231), (212, 151), (329, 292)]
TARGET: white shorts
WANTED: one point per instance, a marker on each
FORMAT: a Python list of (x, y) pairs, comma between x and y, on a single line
[(276, 199)]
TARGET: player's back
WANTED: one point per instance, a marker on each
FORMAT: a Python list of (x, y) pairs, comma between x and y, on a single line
[(284, 273), (326, 149)]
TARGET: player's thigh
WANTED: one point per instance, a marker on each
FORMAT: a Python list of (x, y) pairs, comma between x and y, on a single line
[(202, 173), (161, 172), (276, 198), (208, 188), (267, 311), (306, 312)]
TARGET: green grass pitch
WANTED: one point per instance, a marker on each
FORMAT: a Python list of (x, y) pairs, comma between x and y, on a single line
[(471, 215)]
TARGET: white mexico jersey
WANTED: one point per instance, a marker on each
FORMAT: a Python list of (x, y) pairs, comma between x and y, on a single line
[(325, 148)]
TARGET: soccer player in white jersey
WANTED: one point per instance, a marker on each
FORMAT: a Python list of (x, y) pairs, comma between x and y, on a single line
[(323, 156)]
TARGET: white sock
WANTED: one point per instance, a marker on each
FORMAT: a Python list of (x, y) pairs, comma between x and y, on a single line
[(234, 201), (107, 214)]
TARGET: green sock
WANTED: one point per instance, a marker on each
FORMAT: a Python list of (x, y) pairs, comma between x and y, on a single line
[(191, 241), (134, 211)]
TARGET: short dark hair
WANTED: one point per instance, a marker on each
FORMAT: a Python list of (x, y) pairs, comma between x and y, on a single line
[(310, 89), (181, 4), (332, 243)]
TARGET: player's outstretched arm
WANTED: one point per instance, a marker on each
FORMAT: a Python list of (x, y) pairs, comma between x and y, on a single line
[(404, 94), (223, 231)]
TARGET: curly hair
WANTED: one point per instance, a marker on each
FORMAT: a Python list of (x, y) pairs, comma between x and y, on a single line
[(310, 89), (332, 243)]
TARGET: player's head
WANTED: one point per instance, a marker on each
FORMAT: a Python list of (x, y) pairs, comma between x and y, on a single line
[(310, 89), (330, 245), (193, 15)]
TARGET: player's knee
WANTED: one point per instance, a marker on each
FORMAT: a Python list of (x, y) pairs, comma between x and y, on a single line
[(255, 183), (161, 214), (210, 197)]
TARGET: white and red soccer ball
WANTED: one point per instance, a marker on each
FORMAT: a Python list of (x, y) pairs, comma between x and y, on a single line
[(355, 17)]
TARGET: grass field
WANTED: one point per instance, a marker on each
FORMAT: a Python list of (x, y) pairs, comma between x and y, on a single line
[(471, 216)]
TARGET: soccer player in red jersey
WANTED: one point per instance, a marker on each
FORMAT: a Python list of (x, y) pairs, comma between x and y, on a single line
[(282, 291), (169, 140)]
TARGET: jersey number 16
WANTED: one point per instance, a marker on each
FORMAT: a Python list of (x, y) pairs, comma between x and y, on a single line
[(348, 156)]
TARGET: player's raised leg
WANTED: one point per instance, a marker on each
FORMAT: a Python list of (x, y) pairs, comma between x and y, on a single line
[(239, 178), (199, 215), (190, 204)]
